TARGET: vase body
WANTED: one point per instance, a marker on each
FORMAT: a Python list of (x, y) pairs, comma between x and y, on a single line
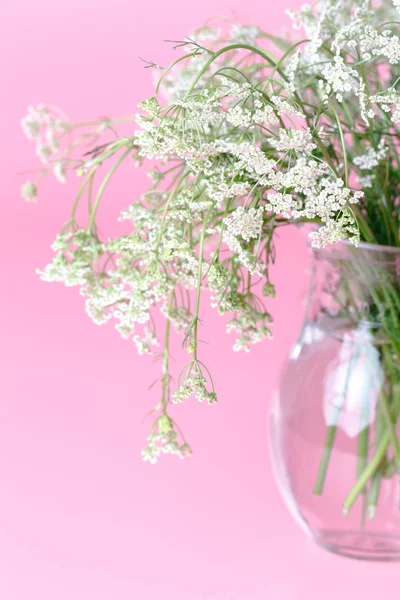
[(335, 419)]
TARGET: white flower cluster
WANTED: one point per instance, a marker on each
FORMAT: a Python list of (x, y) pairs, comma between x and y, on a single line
[(323, 198), (162, 136), (338, 32), (124, 293), (338, 79), (335, 231), (244, 117), (303, 177), (195, 385), (244, 226), (372, 157), (144, 343), (247, 326), (223, 191), (75, 252), (203, 109), (164, 440), (293, 139), (389, 103), (284, 106), (366, 181), (29, 191), (43, 125), (243, 154), (249, 323), (372, 43)]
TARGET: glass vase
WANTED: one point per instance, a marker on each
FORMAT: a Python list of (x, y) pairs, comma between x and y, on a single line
[(335, 420)]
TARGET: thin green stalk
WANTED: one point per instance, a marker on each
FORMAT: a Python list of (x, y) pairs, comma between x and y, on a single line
[(342, 141), (253, 49), (104, 184), (199, 281), (325, 460), (362, 460), (376, 460), (368, 472), (286, 54), (332, 429), (171, 196), (166, 71), (87, 179), (374, 493), (165, 367), (386, 410)]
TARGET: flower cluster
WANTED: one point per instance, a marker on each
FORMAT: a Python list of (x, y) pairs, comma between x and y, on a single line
[(298, 140), (46, 126), (164, 439), (246, 140), (372, 157)]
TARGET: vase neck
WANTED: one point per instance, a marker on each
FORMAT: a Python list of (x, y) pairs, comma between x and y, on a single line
[(356, 284)]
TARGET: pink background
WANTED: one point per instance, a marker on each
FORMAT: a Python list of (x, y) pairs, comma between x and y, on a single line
[(81, 517)]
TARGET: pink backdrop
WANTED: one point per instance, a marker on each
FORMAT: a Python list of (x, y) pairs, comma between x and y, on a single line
[(81, 517)]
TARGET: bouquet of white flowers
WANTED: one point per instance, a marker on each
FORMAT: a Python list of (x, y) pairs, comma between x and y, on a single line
[(245, 133)]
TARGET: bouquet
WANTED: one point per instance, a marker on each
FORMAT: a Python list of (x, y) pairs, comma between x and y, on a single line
[(246, 133)]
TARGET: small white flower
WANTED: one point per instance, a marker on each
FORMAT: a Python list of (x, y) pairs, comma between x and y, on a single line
[(59, 171), (29, 191), (44, 153), (293, 139), (372, 157)]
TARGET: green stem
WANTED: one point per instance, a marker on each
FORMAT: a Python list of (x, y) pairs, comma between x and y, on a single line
[(253, 49), (167, 204), (368, 472), (199, 280), (104, 184), (325, 459), (165, 367), (375, 462), (391, 430), (332, 429), (342, 141), (87, 179), (362, 460)]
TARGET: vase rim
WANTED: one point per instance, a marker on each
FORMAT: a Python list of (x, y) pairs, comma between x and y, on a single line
[(363, 246), (376, 247)]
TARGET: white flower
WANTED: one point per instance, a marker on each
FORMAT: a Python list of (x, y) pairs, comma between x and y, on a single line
[(385, 44), (293, 139), (372, 157), (339, 78), (291, 69), (239, 117), (285, 107), (336, 230), (59, 171), (164, 440), (44, 153), (282, 204), (29, 191), (144, 342), (264, 114), (244, 224), (31, 126), (366, 181), (388, 101)]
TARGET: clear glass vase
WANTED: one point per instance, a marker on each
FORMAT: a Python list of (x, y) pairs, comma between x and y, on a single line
[(335, 422)]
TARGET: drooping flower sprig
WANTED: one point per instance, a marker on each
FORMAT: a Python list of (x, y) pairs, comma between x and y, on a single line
[(246, 133)]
